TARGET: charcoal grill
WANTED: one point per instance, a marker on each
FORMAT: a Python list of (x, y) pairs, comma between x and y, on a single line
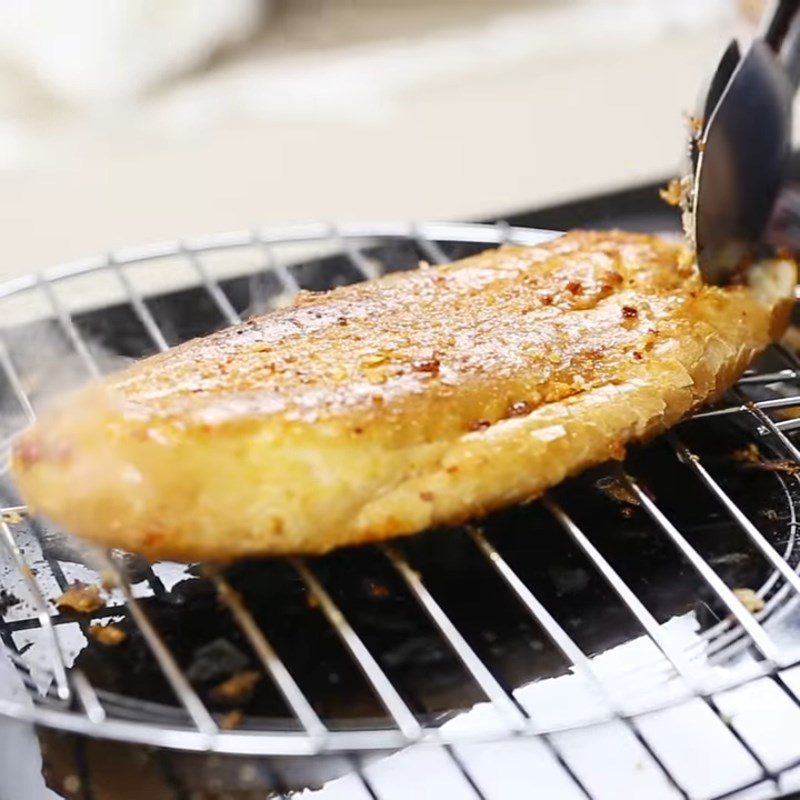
[(636, 633)]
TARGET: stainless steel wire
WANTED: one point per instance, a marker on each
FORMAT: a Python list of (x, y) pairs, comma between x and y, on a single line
[(94, 714)]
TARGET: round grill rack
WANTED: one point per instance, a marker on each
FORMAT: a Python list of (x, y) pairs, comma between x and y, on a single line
[(630, 596)]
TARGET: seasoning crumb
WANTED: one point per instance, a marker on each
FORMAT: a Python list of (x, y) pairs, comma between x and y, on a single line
[(239, 687), (110, 634), (672, 193), (82, 598), (749, 599), (430, 365), (479, 425), (232, 720), (428, 497), (575, 287), (629, 312), (695, 124)]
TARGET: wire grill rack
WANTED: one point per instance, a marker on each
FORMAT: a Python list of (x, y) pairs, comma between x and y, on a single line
[(747, 641)]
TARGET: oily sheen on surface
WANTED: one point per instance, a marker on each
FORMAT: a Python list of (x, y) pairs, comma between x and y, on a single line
[(383, 408)]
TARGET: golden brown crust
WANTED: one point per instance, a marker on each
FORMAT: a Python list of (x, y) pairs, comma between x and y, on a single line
[(380, 409)]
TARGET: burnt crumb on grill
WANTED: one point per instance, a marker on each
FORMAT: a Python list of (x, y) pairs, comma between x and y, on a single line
[(81, 598), (109, 634), (751, 456), (236, 689), (7, 600), (216, 661), (377, 590), (232, 720), (134, 567), (620, 492), (749, 599)]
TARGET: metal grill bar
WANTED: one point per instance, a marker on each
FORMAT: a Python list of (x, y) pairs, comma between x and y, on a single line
[(139, 306), (758, 378), (179, 683), (753, 533), (431, 249), (677, 659), (503, 231), (774, 402), (773, 428), (389, 696), (271, 662), (68, 324), (81, 347), (42, 610), (787, 425), (212, 287), (88, 697), (564, 642), (285, 278), (714, 582), (490, 686), (357, 258), (16, 384)]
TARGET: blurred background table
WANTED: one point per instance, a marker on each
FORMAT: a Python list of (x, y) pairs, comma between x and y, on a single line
[(343, 109)]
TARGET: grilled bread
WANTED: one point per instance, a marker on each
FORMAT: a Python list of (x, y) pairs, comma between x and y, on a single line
[(384, 408)]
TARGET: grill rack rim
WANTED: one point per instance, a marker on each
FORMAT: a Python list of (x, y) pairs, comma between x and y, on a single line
[(426, 236)]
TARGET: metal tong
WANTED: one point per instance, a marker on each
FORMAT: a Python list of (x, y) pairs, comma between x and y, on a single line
[(741, 204)]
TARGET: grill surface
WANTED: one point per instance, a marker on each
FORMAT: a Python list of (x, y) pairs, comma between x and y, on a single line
[(608, 610)]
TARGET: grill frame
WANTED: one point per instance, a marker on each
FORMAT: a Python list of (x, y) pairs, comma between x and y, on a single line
[(59, 709)]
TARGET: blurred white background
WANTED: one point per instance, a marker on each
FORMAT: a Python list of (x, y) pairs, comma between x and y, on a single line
[(137, 120)]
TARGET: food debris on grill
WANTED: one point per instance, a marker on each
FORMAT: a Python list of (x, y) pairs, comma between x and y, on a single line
[(7, 600), (216, 661), (752, 455), (231, 720), (81, 598), (750, 600), (618, 491), (238, 688), (108, 634)]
